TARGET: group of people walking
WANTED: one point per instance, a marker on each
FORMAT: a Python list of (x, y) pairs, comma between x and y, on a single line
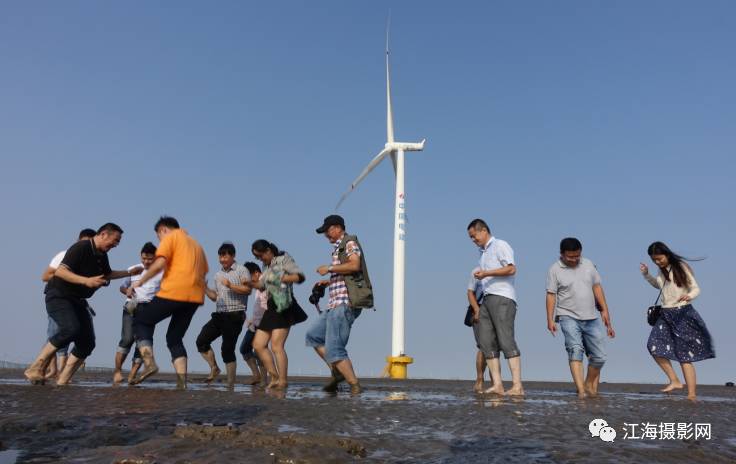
[(576, 303), (170, 282)]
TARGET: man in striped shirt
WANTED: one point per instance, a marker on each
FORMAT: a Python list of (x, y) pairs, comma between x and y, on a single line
[(329, 334), (230, 294)]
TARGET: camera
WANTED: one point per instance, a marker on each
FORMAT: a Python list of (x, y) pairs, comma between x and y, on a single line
[(318, 291)]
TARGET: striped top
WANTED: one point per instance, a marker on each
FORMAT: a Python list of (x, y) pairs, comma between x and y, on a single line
[(337, 290), (228, 300)]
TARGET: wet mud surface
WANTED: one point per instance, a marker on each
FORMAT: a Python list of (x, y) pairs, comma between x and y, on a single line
[(419, 421)]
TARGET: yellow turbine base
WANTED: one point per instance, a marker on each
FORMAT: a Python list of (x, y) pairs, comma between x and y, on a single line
[(396, 367)]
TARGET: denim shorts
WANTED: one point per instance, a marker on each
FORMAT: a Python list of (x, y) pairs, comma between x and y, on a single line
[(332, 330), (584, 338)]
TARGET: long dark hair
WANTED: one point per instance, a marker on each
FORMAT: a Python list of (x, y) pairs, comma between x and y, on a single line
[(262, 245), (677, 262)]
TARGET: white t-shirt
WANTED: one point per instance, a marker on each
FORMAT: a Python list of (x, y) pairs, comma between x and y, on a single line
[(56, 262), (147, 291)]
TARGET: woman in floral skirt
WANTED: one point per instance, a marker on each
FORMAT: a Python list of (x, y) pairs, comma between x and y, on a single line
[(680, 333)]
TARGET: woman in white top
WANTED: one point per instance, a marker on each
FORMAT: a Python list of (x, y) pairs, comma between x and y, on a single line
[(680, 333)]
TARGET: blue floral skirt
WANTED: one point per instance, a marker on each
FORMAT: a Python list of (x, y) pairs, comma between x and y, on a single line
[(680, 335)]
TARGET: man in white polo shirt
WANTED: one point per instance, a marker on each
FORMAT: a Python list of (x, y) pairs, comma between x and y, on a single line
[(142, 296), (498, 311), (576, 301)]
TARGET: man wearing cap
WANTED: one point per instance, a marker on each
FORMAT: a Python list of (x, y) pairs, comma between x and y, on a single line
[(350, 290)]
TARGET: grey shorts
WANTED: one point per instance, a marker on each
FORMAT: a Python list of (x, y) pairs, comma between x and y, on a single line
[(495, 331)]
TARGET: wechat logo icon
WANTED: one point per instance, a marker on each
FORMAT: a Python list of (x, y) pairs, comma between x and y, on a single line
[(599, 428)]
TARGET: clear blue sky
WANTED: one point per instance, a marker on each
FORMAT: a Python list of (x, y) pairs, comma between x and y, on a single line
[(612, 122)]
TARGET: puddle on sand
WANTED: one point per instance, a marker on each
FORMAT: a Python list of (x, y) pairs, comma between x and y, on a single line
[(9, 456), (296, 392), (286, 428)]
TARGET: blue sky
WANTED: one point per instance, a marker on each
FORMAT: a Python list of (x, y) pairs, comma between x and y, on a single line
[(611, 122)]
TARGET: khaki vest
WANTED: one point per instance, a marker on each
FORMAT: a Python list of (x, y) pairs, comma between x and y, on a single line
[(360, 290)]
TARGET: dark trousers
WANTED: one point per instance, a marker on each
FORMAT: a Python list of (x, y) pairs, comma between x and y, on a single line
[(145, 320), (246, 346), (74, 322), (228, 325)]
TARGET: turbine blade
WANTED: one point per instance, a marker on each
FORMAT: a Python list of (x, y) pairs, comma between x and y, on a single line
[(371, 166), (389, 110)]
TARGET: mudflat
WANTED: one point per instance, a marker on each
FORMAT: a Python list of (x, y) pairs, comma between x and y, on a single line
[(424, 421)]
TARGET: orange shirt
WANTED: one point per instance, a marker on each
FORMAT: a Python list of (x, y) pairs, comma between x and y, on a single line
[(186, 268)]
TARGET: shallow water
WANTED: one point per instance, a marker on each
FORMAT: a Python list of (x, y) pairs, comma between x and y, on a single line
[(406, 421), (9, 456)]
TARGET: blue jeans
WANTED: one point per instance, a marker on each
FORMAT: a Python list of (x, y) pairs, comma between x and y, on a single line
[(584, 337), (246, 346), (52, 330), (332, 330)]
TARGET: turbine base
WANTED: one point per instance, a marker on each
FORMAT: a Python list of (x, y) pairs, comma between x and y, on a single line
[(396, 368)]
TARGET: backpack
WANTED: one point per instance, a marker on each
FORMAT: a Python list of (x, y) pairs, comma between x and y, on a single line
[(360, 290)]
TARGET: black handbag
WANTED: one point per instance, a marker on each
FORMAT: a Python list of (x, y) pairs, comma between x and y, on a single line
[(653, 312), (469, 317), (297, 314), (469, 314), (294, 313)]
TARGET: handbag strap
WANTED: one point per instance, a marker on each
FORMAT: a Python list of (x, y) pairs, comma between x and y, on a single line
[(661, 289)]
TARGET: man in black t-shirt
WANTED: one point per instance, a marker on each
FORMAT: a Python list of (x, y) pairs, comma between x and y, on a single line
[(84, 269)]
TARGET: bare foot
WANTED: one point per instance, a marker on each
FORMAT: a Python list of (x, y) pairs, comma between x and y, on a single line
[(117, 378), (274, 381), (51, 372), (582, 395), (692, 397), (281, 386), (214, 372), (254, 380), (478, 387), (495, 390), (515, 391), (590, 392), (34, 375), (147, 372), (672, 386), (134, 371)]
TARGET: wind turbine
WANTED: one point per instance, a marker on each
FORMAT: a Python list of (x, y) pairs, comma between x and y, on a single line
[(398, 360)]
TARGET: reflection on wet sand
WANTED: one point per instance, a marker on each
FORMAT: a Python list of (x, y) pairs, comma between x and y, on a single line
[(416, 421)]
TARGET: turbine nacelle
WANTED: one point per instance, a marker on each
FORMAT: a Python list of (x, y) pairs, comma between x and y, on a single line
[(405, 146)]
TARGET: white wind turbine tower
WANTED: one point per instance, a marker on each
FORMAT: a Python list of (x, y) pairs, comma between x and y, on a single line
[(398, 360)]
